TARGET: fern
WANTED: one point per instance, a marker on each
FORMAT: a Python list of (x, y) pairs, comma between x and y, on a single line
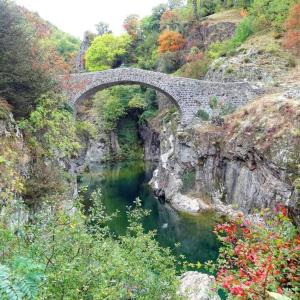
[(21, 280)]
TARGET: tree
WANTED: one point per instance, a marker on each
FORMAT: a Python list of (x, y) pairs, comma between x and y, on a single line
[(170, 41), (151, 23), (195, 4), (71, 256), (102, 28), (170, 20), (22, 61), (131, 25), (107, 51), (51, 127), (270, 13), (292, 25), (175, 3)]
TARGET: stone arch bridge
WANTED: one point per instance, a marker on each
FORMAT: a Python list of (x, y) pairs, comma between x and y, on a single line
[(189, 95)]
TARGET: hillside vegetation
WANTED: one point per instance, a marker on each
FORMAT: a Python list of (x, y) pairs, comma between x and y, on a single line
[(49, 249)]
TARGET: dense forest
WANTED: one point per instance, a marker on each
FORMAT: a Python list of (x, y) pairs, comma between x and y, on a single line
[(57, 251)]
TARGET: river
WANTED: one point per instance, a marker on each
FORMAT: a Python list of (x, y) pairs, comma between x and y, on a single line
[(122, 183)]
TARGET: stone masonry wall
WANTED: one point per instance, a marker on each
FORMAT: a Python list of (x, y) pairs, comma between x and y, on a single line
[(189, 95)]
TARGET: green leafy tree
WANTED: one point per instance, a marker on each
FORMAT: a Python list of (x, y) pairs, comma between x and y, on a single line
[(106, 51), (51, 128), (66, 45), (81, 259), (196, 6), (110, 108), (270, 13)]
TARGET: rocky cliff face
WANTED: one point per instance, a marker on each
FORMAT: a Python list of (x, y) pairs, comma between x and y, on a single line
[(14, 170), (261, 59), (103, 147), (151, 140), (251, 162), (207, 33)]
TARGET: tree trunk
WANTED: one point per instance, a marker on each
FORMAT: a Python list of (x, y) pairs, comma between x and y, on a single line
[(195, 9)]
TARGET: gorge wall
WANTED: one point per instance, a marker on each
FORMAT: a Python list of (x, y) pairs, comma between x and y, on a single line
[(248, 163)]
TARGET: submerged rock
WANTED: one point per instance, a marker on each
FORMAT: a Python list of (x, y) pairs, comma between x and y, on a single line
[(189, 204), (198, 286)]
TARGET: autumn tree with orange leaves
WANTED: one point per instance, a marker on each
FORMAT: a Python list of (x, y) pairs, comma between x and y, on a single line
[(29, 61), (170, 41), (292, 25)]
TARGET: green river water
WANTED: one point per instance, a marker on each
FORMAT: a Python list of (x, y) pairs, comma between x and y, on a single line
[(122, 183)]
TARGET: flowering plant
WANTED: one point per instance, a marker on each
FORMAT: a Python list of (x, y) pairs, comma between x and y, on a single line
[(259, 258)]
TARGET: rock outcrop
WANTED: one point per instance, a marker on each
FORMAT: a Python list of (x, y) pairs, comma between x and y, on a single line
[(260, 59), (251, 162), (207, 33), (14, 170), (198, 286), (151, 141)]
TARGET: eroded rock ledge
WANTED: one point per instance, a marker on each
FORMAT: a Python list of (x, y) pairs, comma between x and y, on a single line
[(251, 162)]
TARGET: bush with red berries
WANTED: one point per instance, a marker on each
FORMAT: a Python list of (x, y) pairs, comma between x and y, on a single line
[(259, 257)]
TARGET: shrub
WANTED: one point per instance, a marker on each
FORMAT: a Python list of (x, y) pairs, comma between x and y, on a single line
[(147, 115), (81, 259), (243, 31), (11, 179), (228, 47), (258, 257), (21, 279), (5, 109), (213, 102), (86, 129), (170, 114), (270, 13), (194, 55), (51, 128), (203, 115), (292, 25), (227, 109), (188, 180), (195, 69), (169, 62), (170, 41)]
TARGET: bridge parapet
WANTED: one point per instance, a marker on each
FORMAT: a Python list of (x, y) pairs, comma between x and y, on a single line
[(189, 95)]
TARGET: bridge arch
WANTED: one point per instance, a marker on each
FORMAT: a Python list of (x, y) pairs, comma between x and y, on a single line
[(91, 90), (189, 95)]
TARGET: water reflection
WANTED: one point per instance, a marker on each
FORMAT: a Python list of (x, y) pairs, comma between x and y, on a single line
[(122, 183)]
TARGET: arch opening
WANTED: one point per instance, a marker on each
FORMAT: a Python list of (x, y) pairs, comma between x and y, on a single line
[(126, 117), (92, 90)]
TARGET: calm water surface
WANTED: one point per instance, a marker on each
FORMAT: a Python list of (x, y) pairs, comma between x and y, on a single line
[(122, 183)]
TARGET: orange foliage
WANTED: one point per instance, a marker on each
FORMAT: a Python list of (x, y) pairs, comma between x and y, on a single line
[(168, 18), (170, 41), (41, 27), (45, 57), (243, 12), (292, 25)]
